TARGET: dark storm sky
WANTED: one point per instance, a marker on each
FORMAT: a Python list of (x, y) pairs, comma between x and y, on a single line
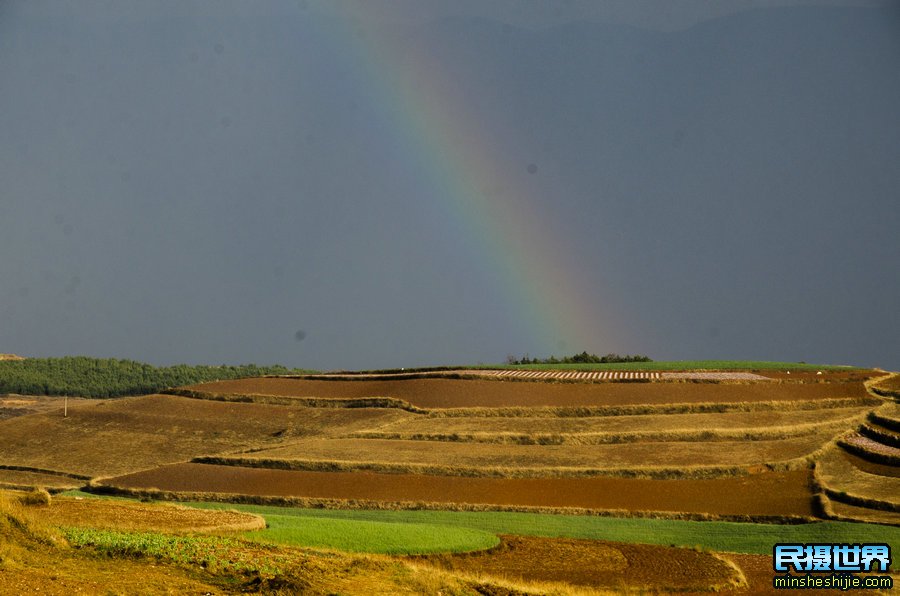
[(223, 182)]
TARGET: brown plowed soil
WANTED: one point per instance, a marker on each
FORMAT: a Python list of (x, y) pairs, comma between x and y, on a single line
[(596, 564), (456, 393), (784, 493)]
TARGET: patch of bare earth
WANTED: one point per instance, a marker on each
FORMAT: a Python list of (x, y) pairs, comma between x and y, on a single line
[(596, 564), (775, 494)]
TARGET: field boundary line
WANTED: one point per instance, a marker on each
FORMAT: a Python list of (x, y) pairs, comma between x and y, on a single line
[(760, 433)]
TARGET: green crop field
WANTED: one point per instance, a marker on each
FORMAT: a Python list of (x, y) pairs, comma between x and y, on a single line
[(364, 535), (287, 527)]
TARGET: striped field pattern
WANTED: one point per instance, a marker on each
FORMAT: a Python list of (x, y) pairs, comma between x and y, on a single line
[(614, 375), (570, 375)]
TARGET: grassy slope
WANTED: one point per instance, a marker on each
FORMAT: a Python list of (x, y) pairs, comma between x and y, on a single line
[(719, 536)]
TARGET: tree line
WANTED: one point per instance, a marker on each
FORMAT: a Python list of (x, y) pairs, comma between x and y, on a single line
[(97, 377), (583, 358)]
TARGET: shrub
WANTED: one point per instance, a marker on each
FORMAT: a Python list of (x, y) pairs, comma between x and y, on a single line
[(37, 496)]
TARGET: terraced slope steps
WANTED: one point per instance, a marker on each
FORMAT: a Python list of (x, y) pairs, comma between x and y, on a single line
[(860, 475)]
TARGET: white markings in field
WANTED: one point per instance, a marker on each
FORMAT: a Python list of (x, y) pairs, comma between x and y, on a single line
[(616, 375), (578, 375), (563, 375)]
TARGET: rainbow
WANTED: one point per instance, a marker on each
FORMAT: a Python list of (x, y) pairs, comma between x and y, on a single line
[(449, 142)]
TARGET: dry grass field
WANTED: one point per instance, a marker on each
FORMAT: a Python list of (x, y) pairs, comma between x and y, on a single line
[(489, 459), (106, 437), (647, 423), (12, 406), (19, 478), (765, 494)]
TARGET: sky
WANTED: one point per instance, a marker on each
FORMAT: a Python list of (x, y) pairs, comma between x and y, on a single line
[(370, 183)]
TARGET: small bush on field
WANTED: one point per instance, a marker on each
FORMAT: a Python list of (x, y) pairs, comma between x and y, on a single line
[(38, 496)]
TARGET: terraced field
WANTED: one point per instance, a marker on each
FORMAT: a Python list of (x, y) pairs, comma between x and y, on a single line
[(736, 425), (774, 494), (487, 459), (860, 475), (696, 448), (107, 437), (442, 393)]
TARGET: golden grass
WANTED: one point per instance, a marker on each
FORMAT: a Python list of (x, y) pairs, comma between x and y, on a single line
[(18, 478), (694, 434)]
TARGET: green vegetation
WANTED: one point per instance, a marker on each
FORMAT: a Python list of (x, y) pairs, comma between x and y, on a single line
[(214, 553), (364, 535), (583, 358), (96, 377), (679, 365), (719, 536)]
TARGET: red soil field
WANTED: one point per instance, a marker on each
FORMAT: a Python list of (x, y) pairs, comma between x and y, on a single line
[(595, 563), (783, 493), (460, 393)]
